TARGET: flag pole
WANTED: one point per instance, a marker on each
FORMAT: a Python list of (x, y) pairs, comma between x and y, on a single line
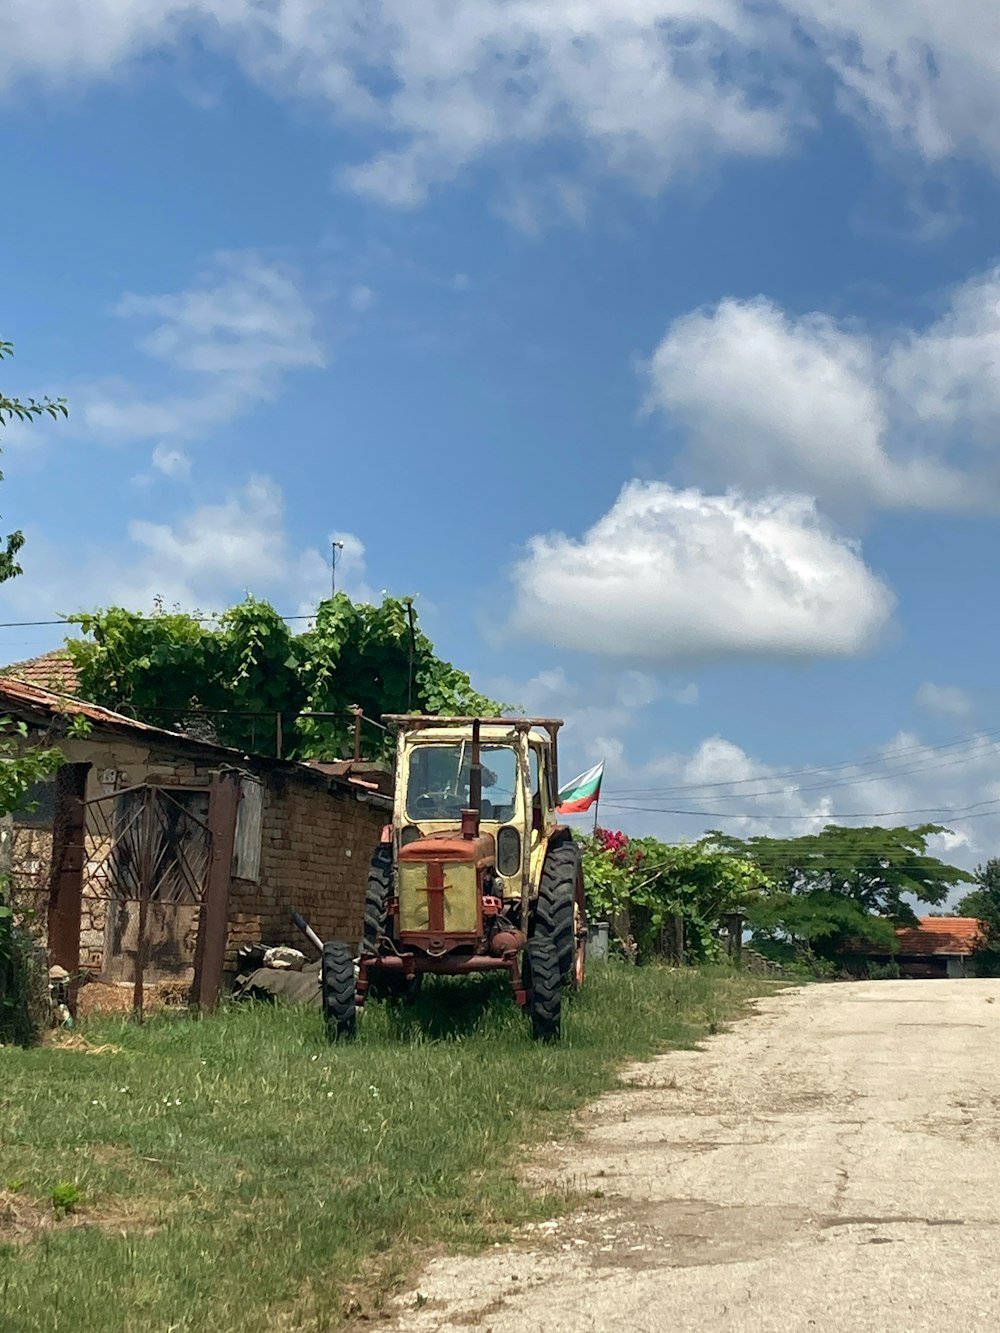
[(597, 801)]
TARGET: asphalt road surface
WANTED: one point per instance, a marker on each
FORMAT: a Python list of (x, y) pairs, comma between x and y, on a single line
[(830, 1164)]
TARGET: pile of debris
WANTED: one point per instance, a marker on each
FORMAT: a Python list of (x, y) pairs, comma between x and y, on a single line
[(273, 972)]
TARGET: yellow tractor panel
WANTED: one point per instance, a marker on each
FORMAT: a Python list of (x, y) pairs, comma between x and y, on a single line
[(461, 897)]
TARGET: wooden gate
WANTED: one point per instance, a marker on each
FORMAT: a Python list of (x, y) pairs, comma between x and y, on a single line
[(147, 863)]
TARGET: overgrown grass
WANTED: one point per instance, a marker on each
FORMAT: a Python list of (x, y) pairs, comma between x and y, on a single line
[(239, 1173)]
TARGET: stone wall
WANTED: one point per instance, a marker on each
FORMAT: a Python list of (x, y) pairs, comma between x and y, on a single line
[(317, 840), (317, 844)]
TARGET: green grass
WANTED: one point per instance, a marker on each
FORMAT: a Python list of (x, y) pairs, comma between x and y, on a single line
[(239, 1173)]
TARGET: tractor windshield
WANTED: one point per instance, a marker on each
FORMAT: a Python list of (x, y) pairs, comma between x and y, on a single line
[(437, 782)]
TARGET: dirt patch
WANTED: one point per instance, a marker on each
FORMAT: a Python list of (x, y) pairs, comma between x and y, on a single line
[(21, 1218), (102, 997)]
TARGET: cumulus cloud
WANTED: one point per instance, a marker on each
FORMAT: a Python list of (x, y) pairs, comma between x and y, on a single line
[(670, 575), (643, 88), (171, 462), (718, 784), (206, 557), (230, 341), (907, 419), (947, 699), (646, 87)]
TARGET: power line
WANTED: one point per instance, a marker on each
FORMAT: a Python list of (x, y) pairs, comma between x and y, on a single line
[(201, 620), (952, 813), (984, 748), (965, 739)]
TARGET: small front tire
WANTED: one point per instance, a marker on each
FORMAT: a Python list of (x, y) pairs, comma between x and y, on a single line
[(338, 989)]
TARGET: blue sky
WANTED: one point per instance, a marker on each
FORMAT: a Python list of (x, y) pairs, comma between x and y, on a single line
[(654, 346)]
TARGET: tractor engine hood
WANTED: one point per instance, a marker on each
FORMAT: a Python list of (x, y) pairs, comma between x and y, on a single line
[(449, 845)]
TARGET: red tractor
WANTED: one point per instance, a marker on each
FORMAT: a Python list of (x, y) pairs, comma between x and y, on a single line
[(473, 875)]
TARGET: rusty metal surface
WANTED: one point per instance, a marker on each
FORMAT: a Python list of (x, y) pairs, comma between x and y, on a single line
[(447, 845), (145, 843), (420, 721), (66, 875), (211, 952)]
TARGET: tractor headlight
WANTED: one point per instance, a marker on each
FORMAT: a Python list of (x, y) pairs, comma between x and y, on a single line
[(508, 850), (409, 834)]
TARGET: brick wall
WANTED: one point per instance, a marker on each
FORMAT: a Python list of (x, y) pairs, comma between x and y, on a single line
[(317, 844)]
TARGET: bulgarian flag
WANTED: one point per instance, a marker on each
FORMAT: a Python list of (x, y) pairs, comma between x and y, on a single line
[(582, 792)]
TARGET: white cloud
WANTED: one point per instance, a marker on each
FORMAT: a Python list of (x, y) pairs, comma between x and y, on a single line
[(947, 699), (171, 462), (669, 575), (647, 87), (207, 558), (919, 73), (644, 87), (361, 299), (907, 419), (717, 784), (231, 340)]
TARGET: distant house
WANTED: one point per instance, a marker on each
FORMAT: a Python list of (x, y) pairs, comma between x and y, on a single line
[(938, 946)]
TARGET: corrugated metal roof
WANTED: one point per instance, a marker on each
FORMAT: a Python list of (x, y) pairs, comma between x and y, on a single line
[(937, 935)]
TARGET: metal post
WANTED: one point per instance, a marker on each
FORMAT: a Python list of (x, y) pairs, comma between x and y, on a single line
[(413, 653), (223, 804)]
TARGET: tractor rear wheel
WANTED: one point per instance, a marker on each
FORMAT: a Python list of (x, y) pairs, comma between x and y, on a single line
[(560, 911), (338, 990), (545, 1000), (377, 900)]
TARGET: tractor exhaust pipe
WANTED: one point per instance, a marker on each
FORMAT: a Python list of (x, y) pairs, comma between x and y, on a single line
[(472, 816)]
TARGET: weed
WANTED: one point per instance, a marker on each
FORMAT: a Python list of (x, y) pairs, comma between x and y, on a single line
[(251, 1175), (66, 1197)]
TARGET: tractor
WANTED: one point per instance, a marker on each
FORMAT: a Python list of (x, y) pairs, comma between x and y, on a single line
[(474, 874)]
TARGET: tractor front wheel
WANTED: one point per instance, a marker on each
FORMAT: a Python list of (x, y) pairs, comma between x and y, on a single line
[(338, 990), (545, 995), (377, 900), (560, 913)]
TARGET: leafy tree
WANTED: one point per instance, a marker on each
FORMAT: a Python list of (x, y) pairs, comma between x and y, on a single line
[(640, 883), (984, 903), (21, 766), (21, 410), (243, 669), (842, 885)]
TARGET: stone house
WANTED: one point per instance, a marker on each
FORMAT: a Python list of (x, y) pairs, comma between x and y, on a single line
[(151, 846)]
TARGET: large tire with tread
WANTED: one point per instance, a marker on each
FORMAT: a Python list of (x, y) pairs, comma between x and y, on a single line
[(338, 990), (377, 900), (545, 998), (559, 911)]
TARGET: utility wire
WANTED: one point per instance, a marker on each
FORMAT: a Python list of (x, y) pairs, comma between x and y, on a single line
[(888, 775), (966, 739)]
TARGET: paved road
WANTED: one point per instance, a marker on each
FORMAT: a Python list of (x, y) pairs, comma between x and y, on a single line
[(831, 1164)]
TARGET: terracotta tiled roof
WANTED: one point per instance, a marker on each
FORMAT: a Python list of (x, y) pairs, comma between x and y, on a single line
[(939, 935), (38, 699), (53, 671)]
